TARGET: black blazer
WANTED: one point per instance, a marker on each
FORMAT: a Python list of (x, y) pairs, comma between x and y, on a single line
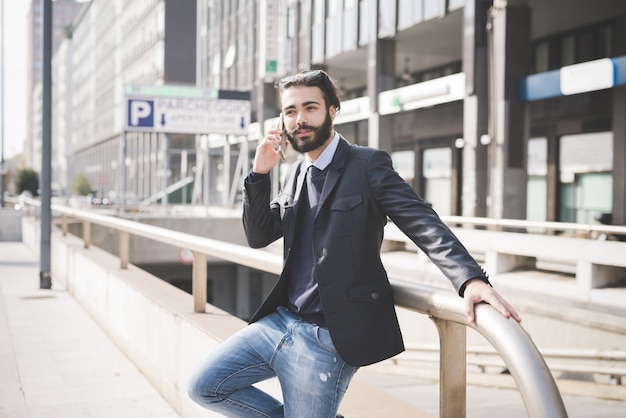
[(361, 190)]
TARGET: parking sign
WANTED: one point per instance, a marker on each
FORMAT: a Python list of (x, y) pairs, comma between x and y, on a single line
[(140, 113), (173, 109)]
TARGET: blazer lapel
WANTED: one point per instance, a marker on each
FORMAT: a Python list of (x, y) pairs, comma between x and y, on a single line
[(335, 170), (295, 183), (300, 173)]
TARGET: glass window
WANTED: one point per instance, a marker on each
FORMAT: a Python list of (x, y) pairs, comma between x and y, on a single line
[(537, 190), (317, 43), (387, 20), (586, 44), (437, 162), (585, 47), (455, 4), (586, 197), (542, 57), (404, 164), (406, 13), (605, 41), (350, 29), (291, 24), (537, 161), (318, 11), (585, 153), (333, 7), (299, 20), (434, 8), (364, 22), (437, 174), (586, 164), (568, 50)]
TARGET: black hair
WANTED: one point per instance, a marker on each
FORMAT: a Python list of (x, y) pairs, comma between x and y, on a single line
[(313, 78)]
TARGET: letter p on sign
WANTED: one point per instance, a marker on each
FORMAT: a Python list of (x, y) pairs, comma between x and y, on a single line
[(140, 113)]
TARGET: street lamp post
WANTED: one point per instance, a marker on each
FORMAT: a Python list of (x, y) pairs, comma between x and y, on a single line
[(2, 163), (45, 274)]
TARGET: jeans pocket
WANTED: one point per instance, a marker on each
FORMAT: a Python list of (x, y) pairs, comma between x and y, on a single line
[(322, 337)]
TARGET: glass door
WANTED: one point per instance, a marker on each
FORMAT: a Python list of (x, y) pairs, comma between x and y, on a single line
[(586, 176), (437, 175)]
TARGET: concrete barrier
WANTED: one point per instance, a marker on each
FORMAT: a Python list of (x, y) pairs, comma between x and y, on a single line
[(151, 321), (10, 225), (154, 324)]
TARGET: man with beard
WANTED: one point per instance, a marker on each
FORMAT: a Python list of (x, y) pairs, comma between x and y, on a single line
[(332, 309)]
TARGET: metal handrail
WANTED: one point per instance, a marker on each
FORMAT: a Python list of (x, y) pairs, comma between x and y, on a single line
[(538, 389), (494, 223), (529, 370)]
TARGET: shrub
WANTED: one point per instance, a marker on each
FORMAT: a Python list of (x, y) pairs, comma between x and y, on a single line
[(81, 186), (26, 180)]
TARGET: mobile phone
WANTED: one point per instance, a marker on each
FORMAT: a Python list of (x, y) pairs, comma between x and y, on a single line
[(283, 139)]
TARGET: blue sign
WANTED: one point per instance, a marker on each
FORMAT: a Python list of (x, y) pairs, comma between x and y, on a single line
[(140, 114)]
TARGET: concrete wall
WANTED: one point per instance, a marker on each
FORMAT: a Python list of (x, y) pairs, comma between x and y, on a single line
[(10, 225), (151, 321)]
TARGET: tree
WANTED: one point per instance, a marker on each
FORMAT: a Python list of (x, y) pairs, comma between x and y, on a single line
[(81, 186), (26, 180)]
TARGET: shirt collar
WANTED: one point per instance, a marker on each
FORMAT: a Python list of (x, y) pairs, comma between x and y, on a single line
[(326, 156)]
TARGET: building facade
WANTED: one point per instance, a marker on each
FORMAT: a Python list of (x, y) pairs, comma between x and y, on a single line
[(114, 44), (63, 13), (507, 109), (440, 85)]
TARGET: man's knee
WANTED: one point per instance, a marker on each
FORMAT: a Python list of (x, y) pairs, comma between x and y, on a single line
[(199, 390)]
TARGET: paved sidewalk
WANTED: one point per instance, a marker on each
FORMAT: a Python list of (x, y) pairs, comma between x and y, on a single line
[(55, 360), (488, 402)]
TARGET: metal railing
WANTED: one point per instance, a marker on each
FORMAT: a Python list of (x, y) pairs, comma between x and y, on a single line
[(608, 363), (534, 380), (531, 374), (506, 245), (499, 224)]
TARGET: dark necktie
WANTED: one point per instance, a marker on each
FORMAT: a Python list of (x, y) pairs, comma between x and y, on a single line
[(303, 295), (314, 184)]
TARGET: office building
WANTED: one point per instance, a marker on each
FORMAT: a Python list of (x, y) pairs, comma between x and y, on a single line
[(111, 45), (512, 109), (506, 109), (63, 13)]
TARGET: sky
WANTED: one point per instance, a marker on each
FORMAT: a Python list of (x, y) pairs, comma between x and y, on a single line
[(13, 27)]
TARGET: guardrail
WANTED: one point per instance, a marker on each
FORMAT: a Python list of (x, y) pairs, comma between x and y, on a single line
[(595, 263), (587, 230), (610, 363), (536, 384)]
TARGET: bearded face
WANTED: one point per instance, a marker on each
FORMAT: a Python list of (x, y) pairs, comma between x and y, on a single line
[(307, 138)]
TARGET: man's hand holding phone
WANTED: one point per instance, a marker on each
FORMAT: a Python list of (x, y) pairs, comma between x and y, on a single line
[(272, 149)]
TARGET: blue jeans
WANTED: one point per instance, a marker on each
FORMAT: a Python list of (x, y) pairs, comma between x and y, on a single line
[(312, 376)]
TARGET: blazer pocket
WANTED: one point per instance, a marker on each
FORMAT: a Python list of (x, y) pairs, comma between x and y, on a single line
[(344, 209), (369, 292)]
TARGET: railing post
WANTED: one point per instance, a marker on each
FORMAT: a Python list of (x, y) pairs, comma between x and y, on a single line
[(124, 248), (86, 234), (64, 224), (452, 368), (198, 282)]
